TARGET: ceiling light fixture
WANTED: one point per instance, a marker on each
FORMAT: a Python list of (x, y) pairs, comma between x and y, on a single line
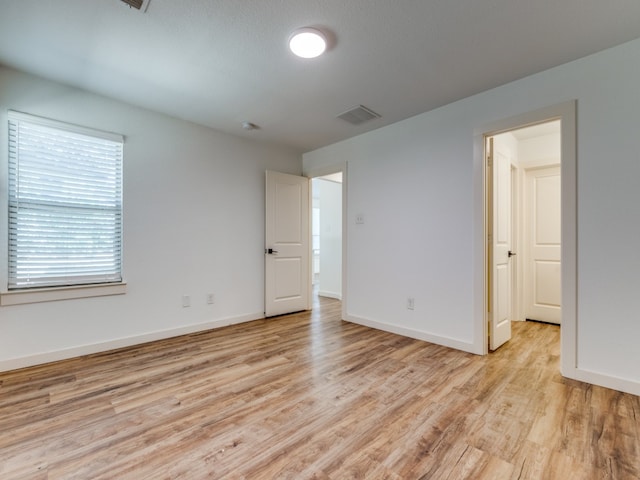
[(307, 42)]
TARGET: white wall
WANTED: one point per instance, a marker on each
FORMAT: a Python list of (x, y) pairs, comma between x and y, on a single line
[(193, 224), (539, 151), (417, 184), (330, 194)]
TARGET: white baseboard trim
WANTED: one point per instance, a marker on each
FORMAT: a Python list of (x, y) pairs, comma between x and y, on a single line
[(606, 381), (41, 358), (322, 293), (412, 333)]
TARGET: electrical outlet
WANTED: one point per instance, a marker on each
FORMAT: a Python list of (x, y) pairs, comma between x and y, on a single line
[(411, 303), (211, 298), (186, 301), (360, 218)]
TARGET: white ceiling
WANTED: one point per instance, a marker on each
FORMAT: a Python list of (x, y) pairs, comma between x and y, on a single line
[(219, 62), (539, 130)]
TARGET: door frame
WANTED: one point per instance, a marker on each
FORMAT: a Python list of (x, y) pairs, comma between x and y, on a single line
[(321, 172), (566, 113), (516, 243)]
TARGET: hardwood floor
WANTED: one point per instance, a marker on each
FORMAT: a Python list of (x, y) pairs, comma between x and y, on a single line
[(308, 396)]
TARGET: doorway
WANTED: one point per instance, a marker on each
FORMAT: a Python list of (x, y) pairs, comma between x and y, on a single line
[(523, 222), (289, 249), (329, 233), (326, 234), (535, 221)]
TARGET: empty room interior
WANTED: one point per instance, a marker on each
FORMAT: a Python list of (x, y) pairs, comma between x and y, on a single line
[(319, 240)]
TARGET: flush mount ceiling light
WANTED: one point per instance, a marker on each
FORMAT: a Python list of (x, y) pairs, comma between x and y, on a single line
[(307, 42)]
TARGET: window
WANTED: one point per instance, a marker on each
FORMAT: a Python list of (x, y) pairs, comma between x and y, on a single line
[(65, 204)]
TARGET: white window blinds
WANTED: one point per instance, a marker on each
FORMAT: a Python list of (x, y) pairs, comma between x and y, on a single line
[(65, 204)]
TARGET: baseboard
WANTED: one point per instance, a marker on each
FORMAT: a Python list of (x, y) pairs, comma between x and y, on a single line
[(323, 293), (412, 333), (39, 359), (607, 381)]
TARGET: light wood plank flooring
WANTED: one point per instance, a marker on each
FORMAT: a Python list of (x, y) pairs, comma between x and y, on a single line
[(307, 396)]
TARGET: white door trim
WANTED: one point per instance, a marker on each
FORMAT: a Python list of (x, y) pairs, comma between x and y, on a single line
[(517, 243), (321, 172), (566, 112)]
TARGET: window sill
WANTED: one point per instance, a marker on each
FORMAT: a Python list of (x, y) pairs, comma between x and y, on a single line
[(20, 297)]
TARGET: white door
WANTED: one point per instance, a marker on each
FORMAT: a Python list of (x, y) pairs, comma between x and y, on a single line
[(543, 279), (499, 172), (287, 253)]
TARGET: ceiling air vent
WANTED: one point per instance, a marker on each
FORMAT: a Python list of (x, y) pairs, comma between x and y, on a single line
[(134, 3), (141, 5), (358, 115)]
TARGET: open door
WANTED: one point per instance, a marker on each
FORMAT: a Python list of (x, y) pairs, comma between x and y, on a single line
[(499, 242), (287, 276)]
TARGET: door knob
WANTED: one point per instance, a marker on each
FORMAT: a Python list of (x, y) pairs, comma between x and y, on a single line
[(270, 251), (511, 254)]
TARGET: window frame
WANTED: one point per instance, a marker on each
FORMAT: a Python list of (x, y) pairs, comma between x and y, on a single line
[(15, 296)]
